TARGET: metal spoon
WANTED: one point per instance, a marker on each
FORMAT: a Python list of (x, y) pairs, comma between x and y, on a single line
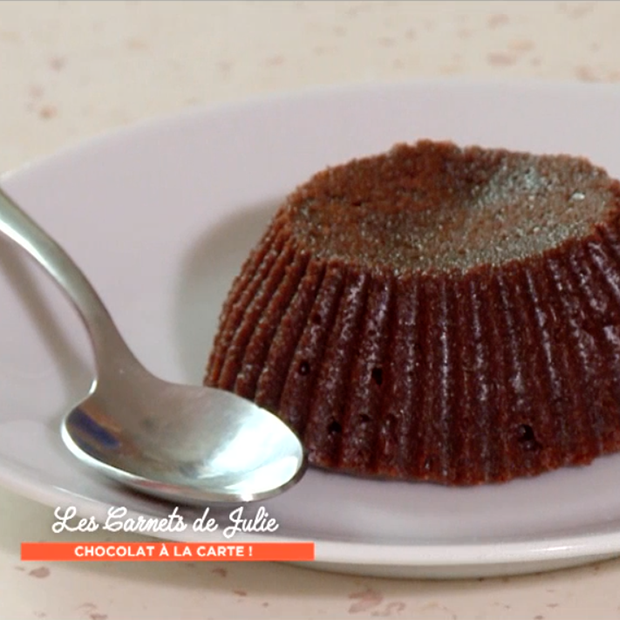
[(182, 443)]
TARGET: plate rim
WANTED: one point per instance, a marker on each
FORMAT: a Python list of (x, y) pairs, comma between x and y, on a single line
[(188, 113), (333, 552)]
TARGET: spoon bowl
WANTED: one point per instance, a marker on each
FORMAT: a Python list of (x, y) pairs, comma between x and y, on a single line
[(187, 444), (198, 444)]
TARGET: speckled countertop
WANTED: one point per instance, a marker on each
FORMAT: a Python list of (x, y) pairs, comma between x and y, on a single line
[(70, 70)]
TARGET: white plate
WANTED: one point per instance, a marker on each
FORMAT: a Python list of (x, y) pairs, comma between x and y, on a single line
[(161, 217)]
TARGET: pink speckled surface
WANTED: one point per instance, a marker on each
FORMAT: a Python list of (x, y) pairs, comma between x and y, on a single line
[(73, 70)]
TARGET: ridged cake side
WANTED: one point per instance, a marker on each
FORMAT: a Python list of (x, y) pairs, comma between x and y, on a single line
[(483, 376), (436, 313)]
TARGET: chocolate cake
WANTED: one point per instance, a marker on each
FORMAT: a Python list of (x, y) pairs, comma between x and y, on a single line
[(436, 313)]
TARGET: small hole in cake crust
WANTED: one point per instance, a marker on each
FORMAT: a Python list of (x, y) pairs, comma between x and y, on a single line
[(316, 319), (365, 418), (334, 428), (377, 375), (304, 368), (527, 438)]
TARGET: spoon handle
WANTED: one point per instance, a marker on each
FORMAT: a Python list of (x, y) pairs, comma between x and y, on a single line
[(110, 348)]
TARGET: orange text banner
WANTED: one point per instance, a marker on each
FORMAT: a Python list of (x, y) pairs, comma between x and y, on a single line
[(166, 552)]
